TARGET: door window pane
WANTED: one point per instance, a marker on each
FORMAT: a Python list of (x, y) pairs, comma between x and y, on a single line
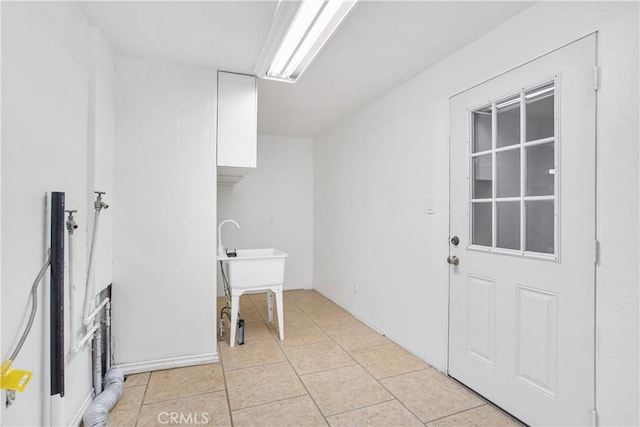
[(540, 226), (508, 223), (482, 130), (508, 122), (482, 233), (513, 176), (540, 170), (482, 177), (540, 113), (508, 173)]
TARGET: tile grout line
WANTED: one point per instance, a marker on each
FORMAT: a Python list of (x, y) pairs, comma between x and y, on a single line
[(375, 379), (405, 373), (357, 322), (399, 401), (265, 321), (350, 352), (329, 369), (324, 417), (391, 376), (358, 364), (364, 407), (456, 413), (144, 395), (224, 371), (226, 388), (255, 366), (485, 400), (269, 403), (189, 396)]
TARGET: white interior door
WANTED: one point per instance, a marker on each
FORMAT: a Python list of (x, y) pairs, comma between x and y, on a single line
[(522, 174)]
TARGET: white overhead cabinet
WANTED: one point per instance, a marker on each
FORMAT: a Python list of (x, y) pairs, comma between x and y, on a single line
[(237, 120)]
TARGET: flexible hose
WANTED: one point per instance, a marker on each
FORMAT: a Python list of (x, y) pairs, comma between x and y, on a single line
[(97, 414), (34, 307)]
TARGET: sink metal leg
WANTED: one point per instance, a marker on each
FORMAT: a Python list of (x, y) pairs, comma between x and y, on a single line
[(235, 307), (270, 305), (280, 314)]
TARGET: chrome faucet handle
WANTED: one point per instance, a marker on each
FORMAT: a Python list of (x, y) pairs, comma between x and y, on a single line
[(99, 204), (71, 221)]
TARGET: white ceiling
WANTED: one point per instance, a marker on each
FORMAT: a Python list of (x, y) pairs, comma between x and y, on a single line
[(380, 45)]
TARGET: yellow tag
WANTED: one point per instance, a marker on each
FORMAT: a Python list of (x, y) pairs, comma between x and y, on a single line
[(13, 379)]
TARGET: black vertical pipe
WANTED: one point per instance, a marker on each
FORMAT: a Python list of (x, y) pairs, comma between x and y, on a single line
[(57, 293)]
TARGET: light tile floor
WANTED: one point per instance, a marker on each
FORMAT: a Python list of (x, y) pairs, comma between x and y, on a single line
[(331, 369)]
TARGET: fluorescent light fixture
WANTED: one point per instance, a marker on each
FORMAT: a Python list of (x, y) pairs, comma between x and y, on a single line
[(303, 20), (309, 24)]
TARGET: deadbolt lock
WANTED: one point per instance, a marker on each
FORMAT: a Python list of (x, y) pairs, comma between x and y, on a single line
[(455, 240)]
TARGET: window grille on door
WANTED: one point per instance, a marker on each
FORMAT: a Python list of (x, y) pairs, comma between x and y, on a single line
[(513, 162)]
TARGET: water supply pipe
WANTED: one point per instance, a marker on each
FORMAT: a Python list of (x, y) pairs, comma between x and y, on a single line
[(88, 320), (97, 414), (96, 360), (107, 332), (89, 292), (71, 226)]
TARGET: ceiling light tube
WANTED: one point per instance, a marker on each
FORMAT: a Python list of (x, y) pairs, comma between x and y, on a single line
[(309, 29), (313, 35), (301, 23)]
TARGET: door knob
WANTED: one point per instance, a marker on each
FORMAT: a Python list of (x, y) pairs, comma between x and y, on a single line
[(453, 260)]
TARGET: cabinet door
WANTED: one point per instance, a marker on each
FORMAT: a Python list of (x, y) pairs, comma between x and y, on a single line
[(237, 120)]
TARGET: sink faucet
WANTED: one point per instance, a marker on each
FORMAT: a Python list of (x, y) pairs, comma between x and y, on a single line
[(221, 251)]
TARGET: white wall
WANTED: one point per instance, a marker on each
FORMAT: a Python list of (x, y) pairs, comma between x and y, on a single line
[(374, 172), (101, 149), (46, 63), (274, 206), (164, 285), (2, 395)]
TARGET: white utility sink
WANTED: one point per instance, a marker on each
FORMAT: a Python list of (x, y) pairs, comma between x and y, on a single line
[(254, 268)]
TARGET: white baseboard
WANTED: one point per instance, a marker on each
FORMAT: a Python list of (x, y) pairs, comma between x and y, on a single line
[(77, 418), (172, 362)]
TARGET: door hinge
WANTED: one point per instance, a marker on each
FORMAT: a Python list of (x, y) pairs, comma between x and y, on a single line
[(594, 418), (596, 250), (596, 78)]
